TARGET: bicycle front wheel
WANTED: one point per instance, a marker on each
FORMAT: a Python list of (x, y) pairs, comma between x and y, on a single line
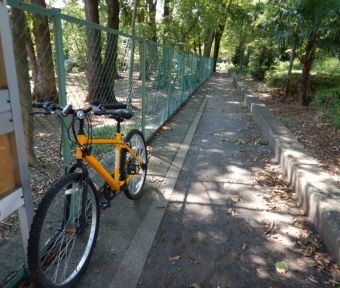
[(133, 172), (63, 232)]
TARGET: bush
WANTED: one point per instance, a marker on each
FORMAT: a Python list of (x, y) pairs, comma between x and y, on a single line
[(327, 65), (329, 102), (258, 73)]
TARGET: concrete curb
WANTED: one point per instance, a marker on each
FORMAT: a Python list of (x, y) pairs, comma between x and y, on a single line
[(318, 193), (133, 262)]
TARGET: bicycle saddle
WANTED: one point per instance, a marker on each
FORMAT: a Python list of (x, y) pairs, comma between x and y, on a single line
[(121, 114)]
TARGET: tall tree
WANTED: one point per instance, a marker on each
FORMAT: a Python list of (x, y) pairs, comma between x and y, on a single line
[(318, 19), (32, 59), (101, 72), (152, 19), (111, 53), (93, 57), (218, 36), (46, 83), (208, 41), (19, 25)]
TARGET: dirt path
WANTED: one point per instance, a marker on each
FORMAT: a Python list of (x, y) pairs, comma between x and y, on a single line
[(226, 224)]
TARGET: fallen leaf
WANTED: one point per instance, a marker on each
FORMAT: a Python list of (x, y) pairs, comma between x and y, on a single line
[(195, 285), (235, 199), (281, 267), (244, 246), (269, 227), (174, 258), (312, 279), (232, 212)]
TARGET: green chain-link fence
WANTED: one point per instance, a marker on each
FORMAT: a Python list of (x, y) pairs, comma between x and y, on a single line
[(68, 60)]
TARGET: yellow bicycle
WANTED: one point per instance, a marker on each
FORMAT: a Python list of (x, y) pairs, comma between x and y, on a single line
[(65, 225)]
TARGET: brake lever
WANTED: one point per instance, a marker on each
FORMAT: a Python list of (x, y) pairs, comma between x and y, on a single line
[(66, 110)]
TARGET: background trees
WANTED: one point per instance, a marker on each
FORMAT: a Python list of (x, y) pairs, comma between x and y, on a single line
[(254, 37)]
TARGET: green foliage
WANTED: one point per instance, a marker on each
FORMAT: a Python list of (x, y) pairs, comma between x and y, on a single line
[(282, 67), (329, 65), (258, 72), (329, 102), (324, 85)]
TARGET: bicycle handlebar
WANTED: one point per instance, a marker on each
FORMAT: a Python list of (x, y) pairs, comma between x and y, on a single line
[(109, 106), (97, 108)]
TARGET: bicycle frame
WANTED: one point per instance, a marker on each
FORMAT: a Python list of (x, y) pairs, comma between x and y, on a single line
[(114, 181)]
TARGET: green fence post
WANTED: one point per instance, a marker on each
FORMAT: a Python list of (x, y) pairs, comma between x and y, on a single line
[(143, 57), (182, 76), (168, 73), (60, 64), (131, 67)]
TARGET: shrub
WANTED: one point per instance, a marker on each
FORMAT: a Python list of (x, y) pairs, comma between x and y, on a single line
[(329, 102), (258, 73)]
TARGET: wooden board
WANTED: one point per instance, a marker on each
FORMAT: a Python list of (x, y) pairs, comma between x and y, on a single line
[(9, 170), (3, 81)]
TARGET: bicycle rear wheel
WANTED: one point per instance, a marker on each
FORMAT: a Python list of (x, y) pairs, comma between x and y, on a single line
[(63, 232), (133, 172)]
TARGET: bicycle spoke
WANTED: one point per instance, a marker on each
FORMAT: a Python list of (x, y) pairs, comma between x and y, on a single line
[(66, 235)]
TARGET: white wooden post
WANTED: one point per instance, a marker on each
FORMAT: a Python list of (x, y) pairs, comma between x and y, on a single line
[(15, 191)]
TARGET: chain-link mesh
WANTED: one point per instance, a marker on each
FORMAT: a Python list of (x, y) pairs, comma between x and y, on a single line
[(95, 63)]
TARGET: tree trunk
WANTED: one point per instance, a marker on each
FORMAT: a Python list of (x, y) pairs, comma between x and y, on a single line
[(307, 62), (109, 72), (20, 30), (209, 38), (46, 82), (292, 57), (94, 59), (195, 47), (166, 8), (167, 19), (218, 36), (32, 60), (152, 18), (199, 45)]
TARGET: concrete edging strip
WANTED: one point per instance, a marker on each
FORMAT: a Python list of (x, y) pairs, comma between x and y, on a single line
[(318, 193), (132, 264)]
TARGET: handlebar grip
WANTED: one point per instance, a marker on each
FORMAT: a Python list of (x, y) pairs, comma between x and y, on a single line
[(109, 106), (114, 106), (99, 113)]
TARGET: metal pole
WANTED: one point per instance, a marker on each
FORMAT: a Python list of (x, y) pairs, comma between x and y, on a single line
[(143, 42), (25, 211), (132, 55), (60, 64), (168, 72)]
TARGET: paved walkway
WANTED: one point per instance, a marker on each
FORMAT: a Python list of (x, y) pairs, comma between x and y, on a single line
[(202, 219)]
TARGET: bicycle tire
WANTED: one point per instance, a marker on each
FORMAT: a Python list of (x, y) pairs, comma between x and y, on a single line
[(65, 247), (134, 181)]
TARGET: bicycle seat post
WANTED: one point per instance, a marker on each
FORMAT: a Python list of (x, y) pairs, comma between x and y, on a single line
[(118, 126)]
